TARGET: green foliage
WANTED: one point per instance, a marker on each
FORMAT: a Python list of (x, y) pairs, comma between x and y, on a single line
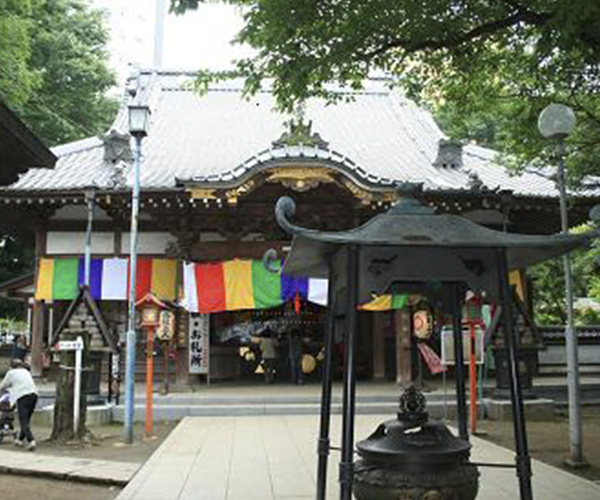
[(54, 73), (17, 78), (486, 68), (16, 259), (53, 67), (548, 286)]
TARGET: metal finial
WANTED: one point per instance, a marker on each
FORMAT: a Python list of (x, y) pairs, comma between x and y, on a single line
[(268, 260), (285, 210), (412, 407)]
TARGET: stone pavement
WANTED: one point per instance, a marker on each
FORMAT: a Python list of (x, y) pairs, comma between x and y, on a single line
[(67, 468), (274, 458)]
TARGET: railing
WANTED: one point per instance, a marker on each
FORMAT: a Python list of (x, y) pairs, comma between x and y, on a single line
[(556, 334)]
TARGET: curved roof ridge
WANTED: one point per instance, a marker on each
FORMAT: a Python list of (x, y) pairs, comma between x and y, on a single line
[(301, 151), (77, 146)]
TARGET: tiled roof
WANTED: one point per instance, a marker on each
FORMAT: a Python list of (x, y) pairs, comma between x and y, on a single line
[(378, 134)]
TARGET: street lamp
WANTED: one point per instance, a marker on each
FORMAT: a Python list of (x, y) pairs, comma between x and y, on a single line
[(89, 194), (139, 118), (557, 121)]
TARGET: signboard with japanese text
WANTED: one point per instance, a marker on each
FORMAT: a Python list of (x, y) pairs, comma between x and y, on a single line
[(70, 345), (199, 341), (166, 326), (448, 345)]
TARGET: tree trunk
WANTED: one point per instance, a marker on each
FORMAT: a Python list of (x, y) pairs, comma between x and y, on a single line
[(62, 429)]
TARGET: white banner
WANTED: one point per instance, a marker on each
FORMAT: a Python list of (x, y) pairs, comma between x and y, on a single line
[(199, 344)]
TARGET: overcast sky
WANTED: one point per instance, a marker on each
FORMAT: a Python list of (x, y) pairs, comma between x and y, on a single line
[(197, 39)]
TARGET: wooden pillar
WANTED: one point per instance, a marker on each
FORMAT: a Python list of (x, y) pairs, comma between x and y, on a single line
[(37, 329), (403, 348), (378, 345), (37, 338)]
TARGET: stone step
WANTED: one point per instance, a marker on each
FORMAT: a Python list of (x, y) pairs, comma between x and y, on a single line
[(176, 412), (196, 399), (538, 409)]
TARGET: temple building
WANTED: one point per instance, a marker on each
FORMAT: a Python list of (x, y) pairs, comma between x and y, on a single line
[(214, 165)]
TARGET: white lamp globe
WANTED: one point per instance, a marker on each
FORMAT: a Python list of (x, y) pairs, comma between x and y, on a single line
[(556, 121), (139, 120)]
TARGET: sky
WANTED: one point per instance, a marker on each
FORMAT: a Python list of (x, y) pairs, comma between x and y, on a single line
[(197, 39)]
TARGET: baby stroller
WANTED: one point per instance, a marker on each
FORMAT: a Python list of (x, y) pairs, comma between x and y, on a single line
[(7, 418)]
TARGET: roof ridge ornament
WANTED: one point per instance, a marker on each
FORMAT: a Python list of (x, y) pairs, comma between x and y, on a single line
[(116, 147), (118, 155), (449, 154), (299, 132)]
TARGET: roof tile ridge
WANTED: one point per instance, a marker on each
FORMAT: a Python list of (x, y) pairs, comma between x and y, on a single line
[(79, 146), (398, 101)]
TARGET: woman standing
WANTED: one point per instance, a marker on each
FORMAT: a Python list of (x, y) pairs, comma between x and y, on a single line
[(19, 384)]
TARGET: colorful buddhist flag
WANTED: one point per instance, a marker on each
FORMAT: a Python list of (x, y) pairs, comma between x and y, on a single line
[(266, 286), (209, 282), (59, 279), (244, 284), (386, 303)]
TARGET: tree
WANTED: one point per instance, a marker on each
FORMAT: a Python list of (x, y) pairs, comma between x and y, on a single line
[(15, 48), (53, 58), (486, 68), (548, 286), (16, 259)]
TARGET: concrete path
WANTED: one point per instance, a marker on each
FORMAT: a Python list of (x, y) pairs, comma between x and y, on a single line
[(67, 468), (274, 458)]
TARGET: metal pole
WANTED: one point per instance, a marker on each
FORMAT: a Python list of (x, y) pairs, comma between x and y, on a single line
[(89, 197), (472, 379), (522, 457), (445, 391), (323, 445), (166, 348), (110, 377), (77, 385), (575, 431), (149, 380), (131, 334), (347, 460), (459, 364)]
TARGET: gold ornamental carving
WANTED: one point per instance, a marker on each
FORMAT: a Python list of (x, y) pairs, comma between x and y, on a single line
[(202, 193), (300, 178), (232, 195), (389, 197), (363, 195)]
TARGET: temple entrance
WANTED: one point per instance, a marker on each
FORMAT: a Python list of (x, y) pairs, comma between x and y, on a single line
[(282, 344)]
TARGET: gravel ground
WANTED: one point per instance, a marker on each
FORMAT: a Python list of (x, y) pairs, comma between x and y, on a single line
[(106, 444), (549, 440), (27, 488)]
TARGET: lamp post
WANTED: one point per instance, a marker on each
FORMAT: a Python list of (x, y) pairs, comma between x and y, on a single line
[(139, 117), (557, 121), (89, 195)]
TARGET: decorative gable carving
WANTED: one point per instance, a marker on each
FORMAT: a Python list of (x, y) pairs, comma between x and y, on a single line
[(449, 154), (116, 147), (299, 133)]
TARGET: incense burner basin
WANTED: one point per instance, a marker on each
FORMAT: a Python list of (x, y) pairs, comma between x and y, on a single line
[(410, 458)]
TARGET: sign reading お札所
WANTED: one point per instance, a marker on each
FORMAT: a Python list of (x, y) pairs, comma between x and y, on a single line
[(199, 332)]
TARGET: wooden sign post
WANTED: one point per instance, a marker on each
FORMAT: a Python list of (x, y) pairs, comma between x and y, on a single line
[(77, 346)]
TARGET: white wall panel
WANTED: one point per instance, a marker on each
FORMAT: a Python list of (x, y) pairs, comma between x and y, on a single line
[(69, 242), (149, 243)]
